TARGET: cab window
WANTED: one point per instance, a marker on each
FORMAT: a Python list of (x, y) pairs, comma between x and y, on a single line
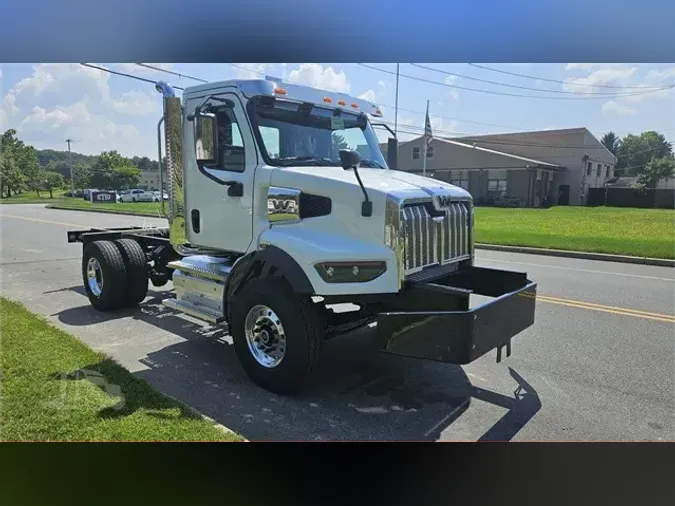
[(231, 154)]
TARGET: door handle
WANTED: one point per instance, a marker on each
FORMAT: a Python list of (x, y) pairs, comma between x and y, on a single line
[(235, 188)]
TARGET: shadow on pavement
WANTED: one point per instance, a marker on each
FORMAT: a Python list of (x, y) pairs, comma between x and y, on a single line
[(357, 392)]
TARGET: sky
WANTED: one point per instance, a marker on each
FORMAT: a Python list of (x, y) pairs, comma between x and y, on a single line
[(99, 111)]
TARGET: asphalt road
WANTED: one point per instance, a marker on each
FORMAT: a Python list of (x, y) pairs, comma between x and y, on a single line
[(597, 365)]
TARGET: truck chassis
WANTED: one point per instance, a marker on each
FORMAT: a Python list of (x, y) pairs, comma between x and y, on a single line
[(428, 319)]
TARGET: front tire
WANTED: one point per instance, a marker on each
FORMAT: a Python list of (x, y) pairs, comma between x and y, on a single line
[(277, 335), (104, 275)]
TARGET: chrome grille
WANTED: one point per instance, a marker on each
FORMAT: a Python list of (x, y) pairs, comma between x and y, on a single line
[(431, 238)]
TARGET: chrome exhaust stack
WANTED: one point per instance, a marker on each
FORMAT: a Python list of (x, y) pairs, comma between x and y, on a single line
[(173, 125)]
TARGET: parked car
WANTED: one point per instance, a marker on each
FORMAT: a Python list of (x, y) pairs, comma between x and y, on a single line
[(136, 195), (156, 196)]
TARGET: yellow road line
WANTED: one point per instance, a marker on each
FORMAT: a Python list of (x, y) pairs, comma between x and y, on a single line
[(601, 306), (617, 311), (43, 221)]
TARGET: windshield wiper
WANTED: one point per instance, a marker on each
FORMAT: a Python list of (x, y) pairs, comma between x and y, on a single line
[(370, 163), (312, 160)]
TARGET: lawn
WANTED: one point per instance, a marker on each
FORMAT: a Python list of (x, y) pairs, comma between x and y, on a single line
[(55, 388), (30, 197), (622, 231), (136, 208)]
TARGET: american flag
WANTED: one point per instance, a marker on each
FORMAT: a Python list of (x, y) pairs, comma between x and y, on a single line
[(427, 128)]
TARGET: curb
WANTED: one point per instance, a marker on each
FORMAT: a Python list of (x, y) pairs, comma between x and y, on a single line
[(103, 211), (216, 425), (661, 262)]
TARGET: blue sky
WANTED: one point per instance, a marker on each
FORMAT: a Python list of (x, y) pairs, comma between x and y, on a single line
[(48, 103)]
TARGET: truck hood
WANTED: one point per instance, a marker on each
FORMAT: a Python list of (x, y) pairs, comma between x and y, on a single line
[(392, 182)]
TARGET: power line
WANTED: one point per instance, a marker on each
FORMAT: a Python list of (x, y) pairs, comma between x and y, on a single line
[(559, 81), (605, 94), (490, 92), (159, 69), (124, 74)]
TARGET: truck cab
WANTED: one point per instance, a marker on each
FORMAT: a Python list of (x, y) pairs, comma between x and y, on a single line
[(280, 206)]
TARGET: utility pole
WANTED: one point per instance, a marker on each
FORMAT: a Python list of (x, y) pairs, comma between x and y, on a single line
[(70, 162), (398, 66)]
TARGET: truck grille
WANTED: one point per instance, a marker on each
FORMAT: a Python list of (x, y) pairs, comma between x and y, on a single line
[(431, 237)]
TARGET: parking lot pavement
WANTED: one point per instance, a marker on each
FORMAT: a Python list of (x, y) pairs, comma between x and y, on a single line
[(597, 364)]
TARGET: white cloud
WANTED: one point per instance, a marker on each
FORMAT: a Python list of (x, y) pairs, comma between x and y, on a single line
[(368, 95), (313, 74), (383, 85), (453, 94), (3, 119), (612, 107), (136, 103), (48, 127), (588, 66), (251, 70), (597, 79), (138, 70)]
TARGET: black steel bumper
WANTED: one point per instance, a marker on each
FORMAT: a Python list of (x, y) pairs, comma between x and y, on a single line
[(434, 321)]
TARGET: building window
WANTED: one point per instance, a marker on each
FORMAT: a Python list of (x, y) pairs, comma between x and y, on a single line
[(597, 172), (607, 172), (462, 183), (496, 185), (430, 152), (589, 168), (416, 153)]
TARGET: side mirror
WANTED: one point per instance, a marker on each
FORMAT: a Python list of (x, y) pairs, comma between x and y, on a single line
[(350, 159), (392, 153), (206, 138)]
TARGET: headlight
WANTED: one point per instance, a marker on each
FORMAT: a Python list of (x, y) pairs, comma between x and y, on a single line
[(350, 272)]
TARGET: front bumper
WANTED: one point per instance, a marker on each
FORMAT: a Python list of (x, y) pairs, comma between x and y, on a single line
[(434, 321)]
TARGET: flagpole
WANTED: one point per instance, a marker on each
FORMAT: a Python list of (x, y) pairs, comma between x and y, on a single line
[(424, 163), (398, 66)]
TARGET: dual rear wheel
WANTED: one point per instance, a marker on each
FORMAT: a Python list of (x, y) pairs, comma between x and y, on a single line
[(115, 274)]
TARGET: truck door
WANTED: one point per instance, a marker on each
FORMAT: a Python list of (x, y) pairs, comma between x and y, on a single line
[(219, 197)]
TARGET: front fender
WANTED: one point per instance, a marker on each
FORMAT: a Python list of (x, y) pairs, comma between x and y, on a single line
[(307, 247)]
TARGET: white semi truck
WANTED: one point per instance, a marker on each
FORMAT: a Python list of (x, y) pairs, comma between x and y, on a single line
[(281, 206)]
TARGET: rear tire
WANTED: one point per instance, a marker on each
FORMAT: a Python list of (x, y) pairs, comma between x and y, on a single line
[(104, 275), (290, 315), (136, 271)]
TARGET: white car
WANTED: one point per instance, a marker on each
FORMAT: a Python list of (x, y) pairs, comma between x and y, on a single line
[(136, 195), (156, 196)]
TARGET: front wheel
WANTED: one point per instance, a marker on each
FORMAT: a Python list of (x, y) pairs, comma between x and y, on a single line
[(277, 335)]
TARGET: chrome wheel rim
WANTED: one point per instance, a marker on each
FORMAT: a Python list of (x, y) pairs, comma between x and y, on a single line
[(95, 277), (265, 336)]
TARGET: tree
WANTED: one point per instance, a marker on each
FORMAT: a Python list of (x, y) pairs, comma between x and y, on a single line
[(53, 181), (12, 178), (636, 151), (339, 143), (656, 169), (82, 176), (102, 169), (124, 177), (611, 142)]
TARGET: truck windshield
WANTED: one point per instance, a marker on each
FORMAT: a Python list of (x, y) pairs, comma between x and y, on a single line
[(304, 134)]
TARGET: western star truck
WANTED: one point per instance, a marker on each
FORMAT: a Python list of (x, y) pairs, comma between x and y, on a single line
[(282, 206)]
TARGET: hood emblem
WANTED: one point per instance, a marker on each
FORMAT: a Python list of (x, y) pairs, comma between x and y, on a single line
[(442, 202)]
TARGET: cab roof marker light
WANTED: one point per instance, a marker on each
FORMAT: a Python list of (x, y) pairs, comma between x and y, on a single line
[(342, 102), (280, 91)]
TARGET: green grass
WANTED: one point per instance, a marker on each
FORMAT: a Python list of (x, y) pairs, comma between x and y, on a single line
[(30, 197), (135, 208), (54, 388), (620, 231)]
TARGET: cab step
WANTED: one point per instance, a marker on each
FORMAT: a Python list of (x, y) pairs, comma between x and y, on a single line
[(204, 266), (201, 312)]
